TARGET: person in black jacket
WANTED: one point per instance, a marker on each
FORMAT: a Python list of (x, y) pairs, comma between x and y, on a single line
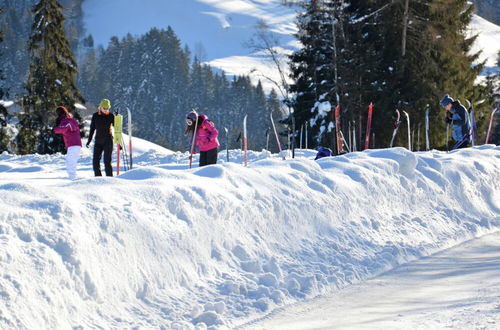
[(101, 123), (458, 117)]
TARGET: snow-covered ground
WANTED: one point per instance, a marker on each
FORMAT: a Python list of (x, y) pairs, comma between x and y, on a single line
[(164, 246), (454, 289)]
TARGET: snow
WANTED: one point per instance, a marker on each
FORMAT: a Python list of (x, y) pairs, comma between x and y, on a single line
[(454, 289), (164, 246), (80, 106), (6, 104), (488, 42)]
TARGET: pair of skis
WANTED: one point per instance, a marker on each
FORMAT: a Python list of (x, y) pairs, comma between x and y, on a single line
[(120, 144), (473, 124), (396, 127)]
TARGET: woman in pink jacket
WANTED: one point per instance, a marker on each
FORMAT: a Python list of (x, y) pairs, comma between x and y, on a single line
[(68, 127), (206, 137)]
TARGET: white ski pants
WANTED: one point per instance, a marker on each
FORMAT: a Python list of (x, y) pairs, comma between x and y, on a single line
[(72, 155)]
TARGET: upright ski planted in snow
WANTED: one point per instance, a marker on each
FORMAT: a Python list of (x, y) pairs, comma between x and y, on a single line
[(129, 137), (276, 134), (193, 143), (368, 126), (489, 126), (427, 144), (227, 143), (396, 126), (409, 130), (472, 121), (337, 131), (245, 161), (117, 139)]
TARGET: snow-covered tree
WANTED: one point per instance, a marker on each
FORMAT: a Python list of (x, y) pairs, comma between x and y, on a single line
[(402, 54), (51, 80)]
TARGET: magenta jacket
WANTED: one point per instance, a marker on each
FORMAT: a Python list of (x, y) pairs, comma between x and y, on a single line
[(70, 131), (206, 134)]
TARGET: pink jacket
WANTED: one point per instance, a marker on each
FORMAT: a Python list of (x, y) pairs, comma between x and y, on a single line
[(206, 134), (70, 131)]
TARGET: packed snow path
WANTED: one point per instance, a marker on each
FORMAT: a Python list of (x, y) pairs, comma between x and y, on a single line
[(458, 289)]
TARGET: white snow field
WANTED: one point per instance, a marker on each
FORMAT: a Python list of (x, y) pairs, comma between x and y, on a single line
[(166, 247)]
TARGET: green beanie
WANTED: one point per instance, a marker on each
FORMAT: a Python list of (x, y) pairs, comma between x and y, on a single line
[(105, 104)]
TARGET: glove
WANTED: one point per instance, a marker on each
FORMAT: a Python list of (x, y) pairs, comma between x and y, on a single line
[(448, 119), (88, 143)]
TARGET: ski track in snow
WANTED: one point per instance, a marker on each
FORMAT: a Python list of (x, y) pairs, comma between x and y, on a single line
[(164, 246), (458, 288)]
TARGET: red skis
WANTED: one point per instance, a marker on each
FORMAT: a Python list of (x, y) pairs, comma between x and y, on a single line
[(337, 131), (368, 126)]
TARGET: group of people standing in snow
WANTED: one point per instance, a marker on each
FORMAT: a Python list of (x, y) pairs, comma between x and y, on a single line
[(204, 132), (102, 123)]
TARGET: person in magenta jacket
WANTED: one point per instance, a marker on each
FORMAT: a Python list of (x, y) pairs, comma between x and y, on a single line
[(206, 137), (70, 130)]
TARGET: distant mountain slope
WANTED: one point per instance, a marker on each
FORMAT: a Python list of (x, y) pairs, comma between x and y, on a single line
[(489, 9), (488, 42)]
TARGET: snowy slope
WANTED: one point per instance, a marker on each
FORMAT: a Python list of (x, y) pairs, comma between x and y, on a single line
[(162, 246), (488, 42), (217, 30)]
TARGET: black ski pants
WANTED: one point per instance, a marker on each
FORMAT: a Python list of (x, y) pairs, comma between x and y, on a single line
[(461, 144), (105, 146), (208, 157)]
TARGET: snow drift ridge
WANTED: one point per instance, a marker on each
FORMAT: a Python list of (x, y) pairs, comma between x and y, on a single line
[(158, 247)]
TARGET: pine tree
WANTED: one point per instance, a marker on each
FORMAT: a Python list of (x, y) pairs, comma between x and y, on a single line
[(51, 80), (4, 137), (316, 68), (154, 77), (402, 54)]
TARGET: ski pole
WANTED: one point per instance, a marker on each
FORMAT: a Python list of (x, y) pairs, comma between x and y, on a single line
[(227, 144), (447, 134), (193, 141)]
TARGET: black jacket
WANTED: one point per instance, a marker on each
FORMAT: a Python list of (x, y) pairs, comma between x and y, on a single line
[(461, 123), (101, 124)]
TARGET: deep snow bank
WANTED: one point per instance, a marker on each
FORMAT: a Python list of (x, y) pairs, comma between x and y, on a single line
[(169, 248)]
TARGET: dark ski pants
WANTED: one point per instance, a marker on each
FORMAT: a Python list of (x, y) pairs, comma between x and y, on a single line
[(461, 144), (105, 146), (208, 157)]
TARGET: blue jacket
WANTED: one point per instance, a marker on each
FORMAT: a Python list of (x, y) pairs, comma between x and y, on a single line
[(460, 122)]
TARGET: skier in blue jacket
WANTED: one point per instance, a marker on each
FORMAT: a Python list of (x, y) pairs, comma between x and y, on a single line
[(458, 116)]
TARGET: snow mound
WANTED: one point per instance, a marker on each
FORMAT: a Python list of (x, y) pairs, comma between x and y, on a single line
[(164, 246)]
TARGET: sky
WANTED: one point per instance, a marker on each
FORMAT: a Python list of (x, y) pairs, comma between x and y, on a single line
[(217, 247)]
